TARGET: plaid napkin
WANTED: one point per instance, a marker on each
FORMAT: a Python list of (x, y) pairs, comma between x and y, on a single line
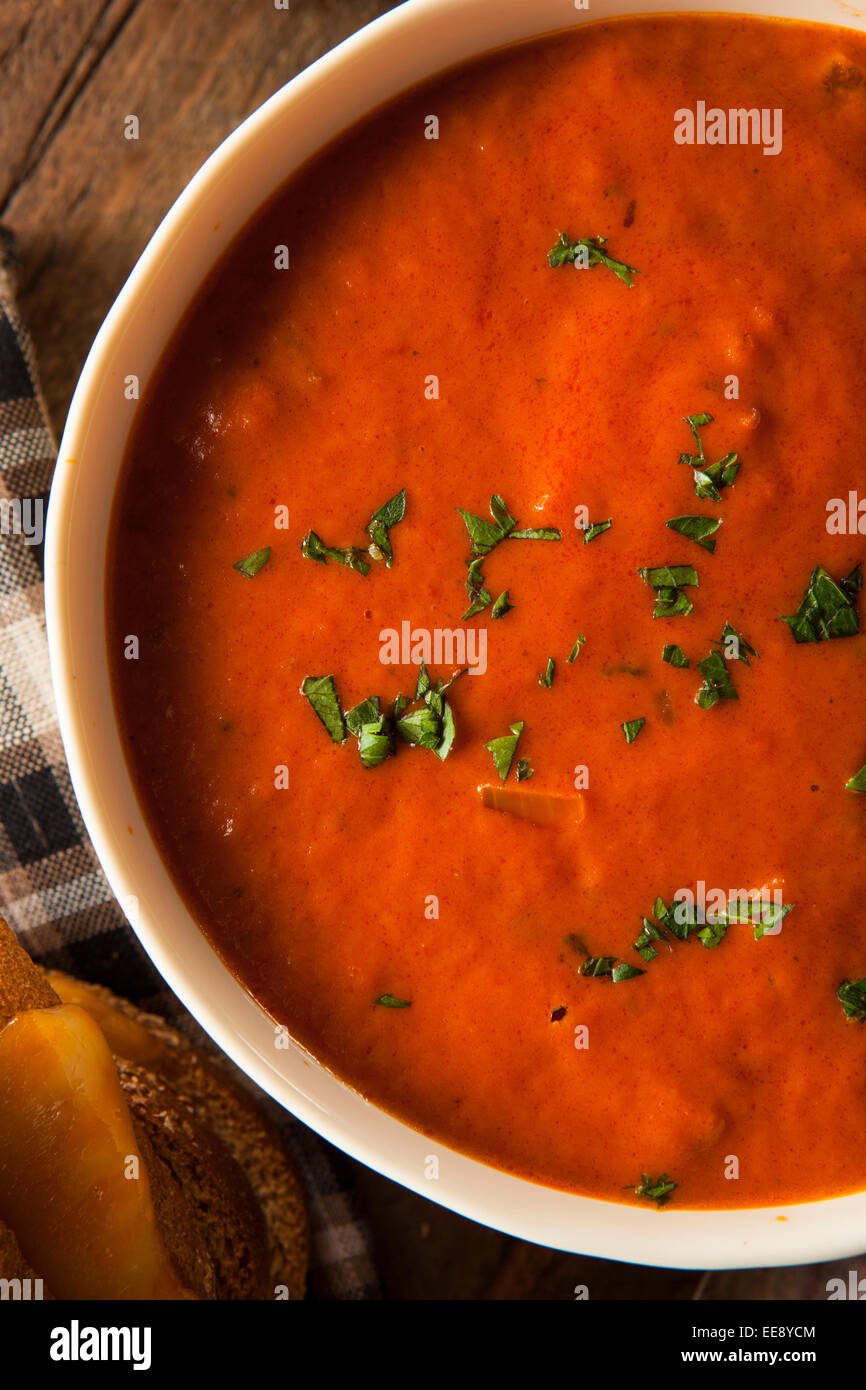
[(52, 890)]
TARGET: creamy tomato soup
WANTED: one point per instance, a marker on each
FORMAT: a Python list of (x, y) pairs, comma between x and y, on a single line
[(593, 913)]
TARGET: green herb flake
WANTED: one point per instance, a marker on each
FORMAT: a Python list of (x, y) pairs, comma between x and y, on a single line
[(314, 548), (656, 1190), (670, 576), (390, 1001), (632, 728), (367, 712), (700, 529), (546, 676), (449, 730), (713, 934), (852, 996), (675, 656), (480, 597), (624, 971), (595, 966), (708, 478), (524, 771), (504, 748), (485, 536), (669, 583), (536, 533), (423, 683), (717, 682), (735, 646), (602, 966), (575, 651), (645, 943), (251, 564), (376, 741), (594, 529), (380, 523), (422, 727), (321, 692), (587, 252), (827, 608), (857, 783), (768, 917)]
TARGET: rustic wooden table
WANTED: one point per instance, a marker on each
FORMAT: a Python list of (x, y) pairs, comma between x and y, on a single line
[(82, 202)]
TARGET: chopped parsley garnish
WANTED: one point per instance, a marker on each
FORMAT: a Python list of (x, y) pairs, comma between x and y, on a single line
[(485, 536), (735, 646), (321, 692), (651, 933), (378, 528), (315, 549), (760, 915), (479, 596), (546, 676), (380, 524), (586, 252), (390, 1001), (682, 919), (598, 965), (376, 741), (767, 917), (709, 478), (624, 971), (594, 529), (575, 651), (524, 771), (430, 725), (700, 529), (656, 1190), (852, 996), (675, 656), (373, 730), (857, 783), (536, 533), (421, 726), (501, 606), (827, 608), (367, 712), (632, 728), (618, 970), (669, 583), (717, 682), (251, 564), (504, 748), (713, 934)]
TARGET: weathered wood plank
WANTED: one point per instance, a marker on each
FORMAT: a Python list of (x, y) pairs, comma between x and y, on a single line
[(83, 200)]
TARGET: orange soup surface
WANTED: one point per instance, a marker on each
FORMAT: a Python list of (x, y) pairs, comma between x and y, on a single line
[(519, 950)]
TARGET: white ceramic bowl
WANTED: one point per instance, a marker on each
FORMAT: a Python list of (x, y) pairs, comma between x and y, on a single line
[(410, 43)]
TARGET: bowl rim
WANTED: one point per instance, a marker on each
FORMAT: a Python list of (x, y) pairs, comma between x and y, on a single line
[(408, 37)]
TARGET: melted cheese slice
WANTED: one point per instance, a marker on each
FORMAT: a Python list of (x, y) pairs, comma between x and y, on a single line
[(73, 1183)]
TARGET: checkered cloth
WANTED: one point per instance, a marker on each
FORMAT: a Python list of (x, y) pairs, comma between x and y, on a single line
[(52, 890)]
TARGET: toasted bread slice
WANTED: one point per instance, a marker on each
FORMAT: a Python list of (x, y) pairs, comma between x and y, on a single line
[(149, 1048), (219, 1185)]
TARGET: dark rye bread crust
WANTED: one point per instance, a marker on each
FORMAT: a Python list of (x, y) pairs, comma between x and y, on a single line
[(229, 1205), (207, 1214), (14, 1266), (22, 984), (226, 1111)]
